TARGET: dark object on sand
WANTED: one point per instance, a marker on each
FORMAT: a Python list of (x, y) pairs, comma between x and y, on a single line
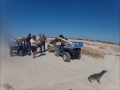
[(96, 76), (8, 87)]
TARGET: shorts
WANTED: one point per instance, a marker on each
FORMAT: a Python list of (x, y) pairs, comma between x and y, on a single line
[(34, 48), (39, 45)]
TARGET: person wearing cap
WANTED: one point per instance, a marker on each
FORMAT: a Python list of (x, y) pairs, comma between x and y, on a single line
[(28, 44), (39, 44), (33, 45)]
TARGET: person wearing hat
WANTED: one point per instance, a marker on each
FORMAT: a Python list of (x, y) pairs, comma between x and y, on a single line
[(33, 45)]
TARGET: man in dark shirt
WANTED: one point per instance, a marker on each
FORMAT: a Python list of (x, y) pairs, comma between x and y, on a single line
[(43, 40), (28, 44)]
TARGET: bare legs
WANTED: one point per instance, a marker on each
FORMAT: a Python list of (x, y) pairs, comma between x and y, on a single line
[(34, 54)]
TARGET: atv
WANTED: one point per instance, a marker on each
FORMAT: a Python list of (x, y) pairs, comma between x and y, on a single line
[(16, 48), (68, 50)]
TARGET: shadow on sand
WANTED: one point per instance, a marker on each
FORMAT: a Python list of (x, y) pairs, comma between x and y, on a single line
[(41, 54)]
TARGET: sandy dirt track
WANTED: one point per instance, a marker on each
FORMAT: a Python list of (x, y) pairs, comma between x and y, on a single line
[(48, 72)]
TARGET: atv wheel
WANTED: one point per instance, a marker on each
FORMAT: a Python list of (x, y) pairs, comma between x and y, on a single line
[(57, 52), (66, 57), (79, 56), (21, 52), (11, 54)]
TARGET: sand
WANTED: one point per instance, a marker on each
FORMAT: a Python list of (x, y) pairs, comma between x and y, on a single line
[(48, 72)]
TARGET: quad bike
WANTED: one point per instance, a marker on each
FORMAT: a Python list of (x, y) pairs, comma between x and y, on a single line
[(68, 50), (16, 48)]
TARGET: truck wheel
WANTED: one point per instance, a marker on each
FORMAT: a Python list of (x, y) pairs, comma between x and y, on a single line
[(66, 57), (21, 52), (11, 54), (57, 52)]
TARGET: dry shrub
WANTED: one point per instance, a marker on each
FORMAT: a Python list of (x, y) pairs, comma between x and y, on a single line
[(92, 52), (118, 55), (90, 43), (104, 47), (49, 39), (115, 48)]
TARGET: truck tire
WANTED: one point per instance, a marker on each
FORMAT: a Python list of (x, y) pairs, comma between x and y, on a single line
[(21, 52), (57, 52), (66, 57), (11, 54)]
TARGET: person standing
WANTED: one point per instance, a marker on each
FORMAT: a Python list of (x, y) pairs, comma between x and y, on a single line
[(39, 45), (33, 45), (28, 44), (43, 41)]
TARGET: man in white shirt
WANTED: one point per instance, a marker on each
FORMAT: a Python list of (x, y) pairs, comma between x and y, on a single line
[(39, 45)]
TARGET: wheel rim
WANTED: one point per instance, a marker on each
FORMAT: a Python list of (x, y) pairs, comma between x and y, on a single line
[(65, 57)]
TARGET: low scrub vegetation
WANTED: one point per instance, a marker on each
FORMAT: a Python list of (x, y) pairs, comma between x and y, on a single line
[(95, 53)]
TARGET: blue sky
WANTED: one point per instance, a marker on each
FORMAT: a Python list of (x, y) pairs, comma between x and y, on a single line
[(86, 19)]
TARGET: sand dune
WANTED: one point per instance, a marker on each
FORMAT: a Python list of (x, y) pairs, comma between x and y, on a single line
[(48, 72)]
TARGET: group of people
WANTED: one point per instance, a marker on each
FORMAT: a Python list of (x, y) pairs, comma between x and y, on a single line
[(33, 43)]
